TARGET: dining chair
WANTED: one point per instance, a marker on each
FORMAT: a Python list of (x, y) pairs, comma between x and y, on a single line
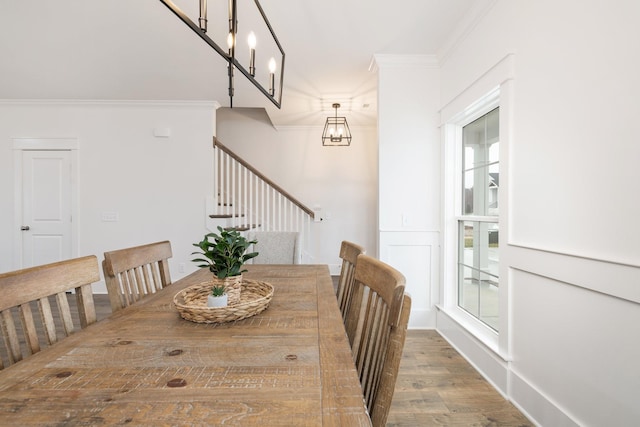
[(275, 247), (380, 312), (133, 273), (39, 286), (349, 253)]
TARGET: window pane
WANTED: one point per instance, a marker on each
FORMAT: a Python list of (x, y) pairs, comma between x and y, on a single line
[(468, 291), (481, 175), (478, 270), (488, 300)]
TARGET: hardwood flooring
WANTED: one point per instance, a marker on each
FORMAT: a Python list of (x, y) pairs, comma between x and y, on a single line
[(436, 385)]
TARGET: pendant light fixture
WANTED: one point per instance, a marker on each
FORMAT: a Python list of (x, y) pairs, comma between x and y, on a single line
[(336, 130), (263, 76)]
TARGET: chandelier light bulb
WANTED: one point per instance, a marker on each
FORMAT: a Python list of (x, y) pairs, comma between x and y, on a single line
[(252, 53), (272, 78), (230, 41)]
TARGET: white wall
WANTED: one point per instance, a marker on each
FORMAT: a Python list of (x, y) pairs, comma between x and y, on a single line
[(409, 190), (571, 247), (341, 181), (157, 185)]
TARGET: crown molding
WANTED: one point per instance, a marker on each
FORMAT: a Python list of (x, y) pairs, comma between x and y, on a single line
[(109, 102), (384, 60), (320, 128), (467, 24)]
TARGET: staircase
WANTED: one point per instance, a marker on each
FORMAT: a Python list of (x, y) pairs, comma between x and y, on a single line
[(245, 199)]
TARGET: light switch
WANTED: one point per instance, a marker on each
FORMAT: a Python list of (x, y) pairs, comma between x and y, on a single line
[(162, 132), (110, 216)]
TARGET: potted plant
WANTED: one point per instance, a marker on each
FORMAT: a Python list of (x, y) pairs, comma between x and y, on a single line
[(218, 297), (224, 255)]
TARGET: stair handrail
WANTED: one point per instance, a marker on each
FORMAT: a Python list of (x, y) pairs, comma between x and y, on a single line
[(237, 158)]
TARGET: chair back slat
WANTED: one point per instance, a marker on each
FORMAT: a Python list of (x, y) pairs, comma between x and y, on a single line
[(86, 307), (26, 289), (29, 328), (47, 320), (10, 337), (349, 253), (374, 318), (133, 273), (389, 376), (65, 312)]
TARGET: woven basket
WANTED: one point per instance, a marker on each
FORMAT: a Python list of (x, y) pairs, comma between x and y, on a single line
[(192, 303), (232, 287)]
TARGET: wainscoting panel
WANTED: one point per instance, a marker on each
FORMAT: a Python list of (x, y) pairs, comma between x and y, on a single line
[(416, 255)]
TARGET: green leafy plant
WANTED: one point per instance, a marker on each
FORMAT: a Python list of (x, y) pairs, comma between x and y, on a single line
[(224, 253), (217, 290)]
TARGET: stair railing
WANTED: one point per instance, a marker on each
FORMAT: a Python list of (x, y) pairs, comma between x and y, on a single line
[(248, 200)]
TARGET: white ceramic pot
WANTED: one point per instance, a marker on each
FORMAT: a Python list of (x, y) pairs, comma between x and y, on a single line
[(220, 301)]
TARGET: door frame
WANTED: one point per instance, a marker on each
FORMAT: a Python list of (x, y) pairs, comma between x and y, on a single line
[(42, 144)]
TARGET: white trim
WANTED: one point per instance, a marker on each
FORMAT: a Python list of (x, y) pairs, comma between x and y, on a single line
[(320, 128), (478, 218), (416, 254), (490, 364), (492, 88), (108, 102), (381, 60), (452, 201), (587, 273), (479, 330), (45, 143), (482, 87), (17, 209), (547, 413), (42, 144), (630, 262), (466, 25)]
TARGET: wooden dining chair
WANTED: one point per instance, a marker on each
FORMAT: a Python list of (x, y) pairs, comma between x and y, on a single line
[(380, 313), (349, 253), (24, 289), (133, 273)]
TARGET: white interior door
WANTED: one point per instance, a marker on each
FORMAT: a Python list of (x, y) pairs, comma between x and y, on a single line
[(46, 206)]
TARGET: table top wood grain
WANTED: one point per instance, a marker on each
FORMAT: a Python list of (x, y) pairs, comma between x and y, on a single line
[(290, 365)]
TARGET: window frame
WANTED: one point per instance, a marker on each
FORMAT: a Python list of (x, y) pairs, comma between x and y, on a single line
[(476, 219), (453, 215)]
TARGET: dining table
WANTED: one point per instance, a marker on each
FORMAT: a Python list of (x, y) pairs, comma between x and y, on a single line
[(289, 365)]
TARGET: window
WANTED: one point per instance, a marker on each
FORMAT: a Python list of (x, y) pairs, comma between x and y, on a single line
[(478, 256)]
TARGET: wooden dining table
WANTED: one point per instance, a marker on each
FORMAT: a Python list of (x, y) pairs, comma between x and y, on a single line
[(290, 365)]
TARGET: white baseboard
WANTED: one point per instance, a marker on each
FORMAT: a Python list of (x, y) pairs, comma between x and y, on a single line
[(492, 367), (536, 406)]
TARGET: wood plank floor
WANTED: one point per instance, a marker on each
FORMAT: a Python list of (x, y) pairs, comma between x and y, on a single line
[(436, 386)]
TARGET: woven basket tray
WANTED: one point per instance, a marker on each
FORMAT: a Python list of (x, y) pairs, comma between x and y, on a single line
[(191, 303)]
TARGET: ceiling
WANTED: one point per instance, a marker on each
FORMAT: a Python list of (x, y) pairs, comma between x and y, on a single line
[(139, 50)]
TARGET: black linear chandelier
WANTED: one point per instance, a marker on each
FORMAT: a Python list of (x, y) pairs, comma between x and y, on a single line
[(336, 130), (261, 76)]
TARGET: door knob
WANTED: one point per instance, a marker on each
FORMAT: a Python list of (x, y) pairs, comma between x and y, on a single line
[(24, 228)]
